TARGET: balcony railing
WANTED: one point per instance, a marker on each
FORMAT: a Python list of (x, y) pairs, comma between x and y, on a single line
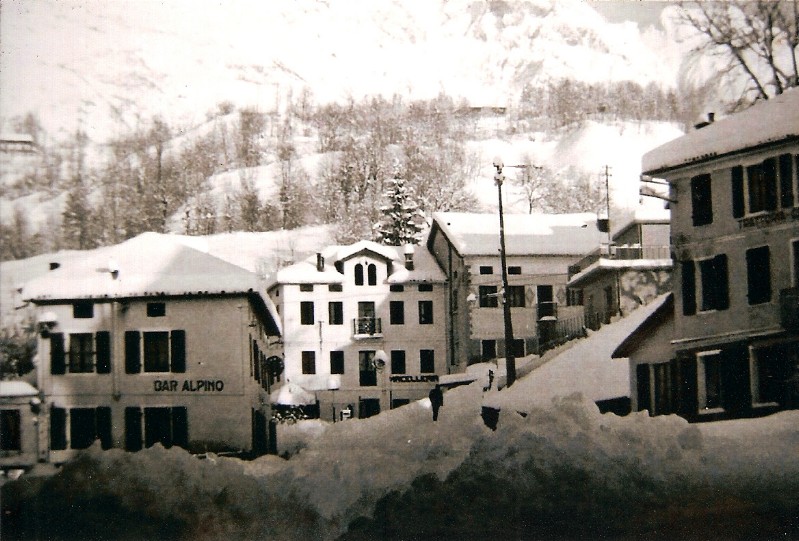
[(367, 327), (621, 252)]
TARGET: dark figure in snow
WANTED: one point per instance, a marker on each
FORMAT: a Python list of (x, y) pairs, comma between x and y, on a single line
[(436, 400)]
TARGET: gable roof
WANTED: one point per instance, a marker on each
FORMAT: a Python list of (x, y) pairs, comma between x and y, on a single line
[(662, 311), (766, 122), (475, 234)]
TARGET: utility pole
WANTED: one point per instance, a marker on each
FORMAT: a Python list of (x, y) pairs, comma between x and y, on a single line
[(510, 359)]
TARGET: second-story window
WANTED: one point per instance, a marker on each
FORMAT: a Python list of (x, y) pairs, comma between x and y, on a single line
[(336, 362), (335, 314), (701, 200), (762, 185), (516, 296), (758, 275), (81, 353), (425, 312), (306, 313), (87, 353), (309, 362), (397, 312), (160, 351), (397, 361), (488, 296), (715, 283)]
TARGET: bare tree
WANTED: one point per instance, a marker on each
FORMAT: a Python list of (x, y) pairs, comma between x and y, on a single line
[(754, 41)]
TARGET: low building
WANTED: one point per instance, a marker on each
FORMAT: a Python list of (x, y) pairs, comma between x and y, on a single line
[(539, 250), (19, 425), (735, 240), (151, 341), (629, 271), (364, 329)]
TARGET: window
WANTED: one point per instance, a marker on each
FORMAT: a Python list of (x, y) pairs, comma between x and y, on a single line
[(337, 288), (715, 284), (514, 269), (488, 349), (425, 312), (89, 424), (163, 351), (709, 376), (306, 287), (336, 362), (10, 426), (701, 202), (397, 362), (335, 312), (58, 428), (156, 309), (396, 288), (366, 366), (425, 288), (488, 296), (762, 184), (486, 269), (772, 370), (516, 296), (738, 209), (83, 310), (397, 312), (786, 180), (81, 353), (399, 402), (309, 362), (167, 426), (358, 274), (758, 275), (371, 270), (427, 361), (574, 297), (306, 313), (688, 272)]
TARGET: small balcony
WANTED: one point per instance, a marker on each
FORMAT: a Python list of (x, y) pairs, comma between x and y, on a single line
[(789, 309), (367, 327)]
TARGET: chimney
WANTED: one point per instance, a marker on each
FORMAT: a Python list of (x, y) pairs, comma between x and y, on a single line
[(54, 265), (409, 256), (711, 117), (320, 262)]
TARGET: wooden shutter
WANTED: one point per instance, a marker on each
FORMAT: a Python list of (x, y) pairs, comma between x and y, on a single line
[(104, 427), (688, 287), (786, 181), (58, 428), (770, 178), (180, 427), (102, 345), (722, 281), (57, 356), (132, 352), (178, 351), (737, 191), (133, 429)]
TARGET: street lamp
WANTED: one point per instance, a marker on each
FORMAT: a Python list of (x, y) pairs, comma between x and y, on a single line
[(510, 359)]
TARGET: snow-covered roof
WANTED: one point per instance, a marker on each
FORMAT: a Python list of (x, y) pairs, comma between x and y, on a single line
[(603, 264), (660, 312), (768, 121), (17, 388), (642, 215), (525, 234), (292, 394)]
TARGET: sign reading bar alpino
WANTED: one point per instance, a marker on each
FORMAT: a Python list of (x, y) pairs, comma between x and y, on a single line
[(189, 385)]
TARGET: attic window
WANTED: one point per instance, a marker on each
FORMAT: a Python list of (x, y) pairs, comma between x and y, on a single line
[(156, 309), (514, 270), (486, 269), (306, 287), (335, 287), (83, 310), (425, 287), (397, 288)]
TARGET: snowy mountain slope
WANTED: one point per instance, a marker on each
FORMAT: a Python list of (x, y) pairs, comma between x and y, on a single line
[(95, 64)]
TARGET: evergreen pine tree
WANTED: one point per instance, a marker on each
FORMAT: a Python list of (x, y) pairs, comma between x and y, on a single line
[(400, 221)]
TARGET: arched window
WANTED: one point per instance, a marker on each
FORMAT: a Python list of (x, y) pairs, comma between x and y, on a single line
[(372, 269), (358, 274)]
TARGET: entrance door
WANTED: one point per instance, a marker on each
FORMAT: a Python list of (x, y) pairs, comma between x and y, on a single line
[(367, 407)]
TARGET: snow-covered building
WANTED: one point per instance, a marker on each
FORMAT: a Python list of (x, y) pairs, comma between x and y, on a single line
[(364, 329), (627, 272), (735, 239), (19, 424), (539, 249), (151, 341)]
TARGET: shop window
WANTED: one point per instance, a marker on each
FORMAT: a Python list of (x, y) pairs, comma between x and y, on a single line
[(307, 313), (156, 309), (427, 361), (701, 200), (488, 296), (335, 312), (715, 283), (425, 312), (758, 275), (516, 296), (397, 362), (397, 312), (336, 362), (10, 430), (309, 362), (709, 378), (83, 310)]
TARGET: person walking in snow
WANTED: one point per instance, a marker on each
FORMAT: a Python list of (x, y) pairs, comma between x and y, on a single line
[(436, 400)]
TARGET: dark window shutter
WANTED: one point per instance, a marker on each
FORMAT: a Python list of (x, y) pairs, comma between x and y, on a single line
[(180, 427), (58, 428), (102, 344), (133, 429), (737, 191), (132, 352), (57, 357), (770, 178), (178, 351), (688, 287), (722, 282), (786, 181), (104, 427)]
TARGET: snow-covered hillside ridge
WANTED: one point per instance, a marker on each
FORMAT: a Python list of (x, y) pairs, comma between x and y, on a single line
[(553, 457), (93, 64)]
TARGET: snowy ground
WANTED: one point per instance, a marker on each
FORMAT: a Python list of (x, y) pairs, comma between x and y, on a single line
[(558, 469)]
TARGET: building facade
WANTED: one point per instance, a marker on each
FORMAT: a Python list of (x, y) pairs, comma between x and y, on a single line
[(735, 240), (20, 407), (539, 250), (135, 350), (364, 329)]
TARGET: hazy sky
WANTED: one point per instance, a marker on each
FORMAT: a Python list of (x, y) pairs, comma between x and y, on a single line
[(644, 12)]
